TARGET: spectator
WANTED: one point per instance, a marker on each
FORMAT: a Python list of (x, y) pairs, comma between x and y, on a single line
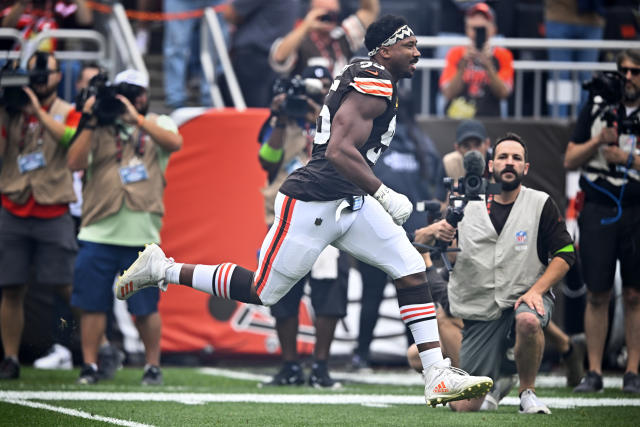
[(285, 149), (125, 159), (181, 50), (257, 24), (414, 168), (501, 283), (36, 229), (572, 19), (609, 222), (321, 40), (478, 76)]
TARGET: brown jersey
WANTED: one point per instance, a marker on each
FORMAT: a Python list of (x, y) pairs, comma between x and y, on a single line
[(319, 180)]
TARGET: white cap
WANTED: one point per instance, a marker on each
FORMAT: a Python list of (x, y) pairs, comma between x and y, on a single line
[(133, 77)]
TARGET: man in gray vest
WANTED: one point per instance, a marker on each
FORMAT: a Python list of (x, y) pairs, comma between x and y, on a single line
[(514, 248)]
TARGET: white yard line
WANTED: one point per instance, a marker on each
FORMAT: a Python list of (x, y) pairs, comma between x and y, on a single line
[(74, 413), (393, 378), (324, 399)]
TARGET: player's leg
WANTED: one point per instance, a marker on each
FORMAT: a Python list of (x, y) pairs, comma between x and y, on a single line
[(374, 238), (287, 254)]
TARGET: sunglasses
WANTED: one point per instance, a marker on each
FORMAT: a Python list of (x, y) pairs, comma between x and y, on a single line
[(625, 70)]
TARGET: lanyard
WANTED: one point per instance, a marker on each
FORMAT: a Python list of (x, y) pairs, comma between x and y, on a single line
[(139, 148)]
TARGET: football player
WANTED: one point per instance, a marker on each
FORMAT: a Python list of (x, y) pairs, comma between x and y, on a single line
[(337, 200)]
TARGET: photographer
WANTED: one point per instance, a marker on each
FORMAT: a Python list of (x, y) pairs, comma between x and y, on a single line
[(478, 76), (125, 152), (604, 147), (36, 229), (286, 149), (321, 39), (514, 248)]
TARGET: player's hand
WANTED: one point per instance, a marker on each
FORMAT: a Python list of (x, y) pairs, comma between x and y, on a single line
[(396, 204), (533, 299)]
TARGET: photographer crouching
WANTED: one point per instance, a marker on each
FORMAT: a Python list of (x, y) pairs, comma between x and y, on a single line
[(286, 140), (604, 146), (36, 229), (125, 152)]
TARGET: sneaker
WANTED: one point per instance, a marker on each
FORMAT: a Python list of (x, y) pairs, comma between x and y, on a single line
[(148, 270), (152, 375), (590, 383), (57, 357), (574, 361), (360, 364), (530, 404), (320, 377), (631, 383), (9, 369), (88, 375), (290, 374), (444, 383), (110, 360), (501, 388)]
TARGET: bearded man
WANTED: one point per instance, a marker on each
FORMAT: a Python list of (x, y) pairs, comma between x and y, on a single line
[(604, 147), (514, 247)]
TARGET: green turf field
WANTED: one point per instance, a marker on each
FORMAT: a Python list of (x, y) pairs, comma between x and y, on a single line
[(201, 397)]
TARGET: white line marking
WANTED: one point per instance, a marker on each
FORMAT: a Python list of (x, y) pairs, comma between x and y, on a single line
[(75, 413), (395, 378), (325, 399)]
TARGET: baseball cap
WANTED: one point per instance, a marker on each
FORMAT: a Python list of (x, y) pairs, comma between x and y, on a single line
[(483, 9), (316, 72), (133, 77), (470, 129)]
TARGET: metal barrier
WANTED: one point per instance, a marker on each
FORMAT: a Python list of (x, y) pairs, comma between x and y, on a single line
[(211, 27), (523, 66), (123, 50), (16, 36)]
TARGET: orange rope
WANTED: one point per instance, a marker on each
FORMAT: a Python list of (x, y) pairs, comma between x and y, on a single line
[(153, 16)]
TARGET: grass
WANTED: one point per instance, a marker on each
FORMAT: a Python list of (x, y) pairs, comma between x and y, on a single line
[(180, 381)]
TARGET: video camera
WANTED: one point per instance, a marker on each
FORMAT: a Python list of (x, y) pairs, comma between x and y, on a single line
[(469, 188), (13, 78), (107, 107), (609, 86), (297, 91)]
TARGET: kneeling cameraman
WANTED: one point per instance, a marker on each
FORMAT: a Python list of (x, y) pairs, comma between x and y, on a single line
[(125, 152)]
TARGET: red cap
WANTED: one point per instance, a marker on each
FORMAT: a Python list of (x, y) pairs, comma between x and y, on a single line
[(483, 9)]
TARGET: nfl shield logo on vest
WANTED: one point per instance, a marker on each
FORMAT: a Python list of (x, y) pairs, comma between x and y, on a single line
[(521, 240)]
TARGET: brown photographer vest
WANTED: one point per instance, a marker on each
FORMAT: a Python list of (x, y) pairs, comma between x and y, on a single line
[(51, 184), (104, 191)]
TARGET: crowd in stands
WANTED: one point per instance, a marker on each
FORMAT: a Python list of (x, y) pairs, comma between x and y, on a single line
[(82, 192)]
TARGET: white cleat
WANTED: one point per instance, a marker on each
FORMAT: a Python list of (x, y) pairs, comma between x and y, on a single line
[(444, 383), (58, 357), (530, 404), (148, 270)]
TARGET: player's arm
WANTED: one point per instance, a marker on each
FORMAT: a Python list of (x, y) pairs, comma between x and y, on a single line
[(350, 129)]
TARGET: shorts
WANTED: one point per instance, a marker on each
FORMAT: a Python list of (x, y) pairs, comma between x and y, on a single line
[(328, 296), (96, 268), (487, 345), (303, 229), (601, 245), (438, 287), (45, 246)]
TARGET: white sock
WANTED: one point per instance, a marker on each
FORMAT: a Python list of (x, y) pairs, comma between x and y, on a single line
[(203, 278), (430, 357), (172, 275)]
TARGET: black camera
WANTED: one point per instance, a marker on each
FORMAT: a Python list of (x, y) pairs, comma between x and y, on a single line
[(609, 85), (13, 78), (107, 107), (472, 185), (297, 90)]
